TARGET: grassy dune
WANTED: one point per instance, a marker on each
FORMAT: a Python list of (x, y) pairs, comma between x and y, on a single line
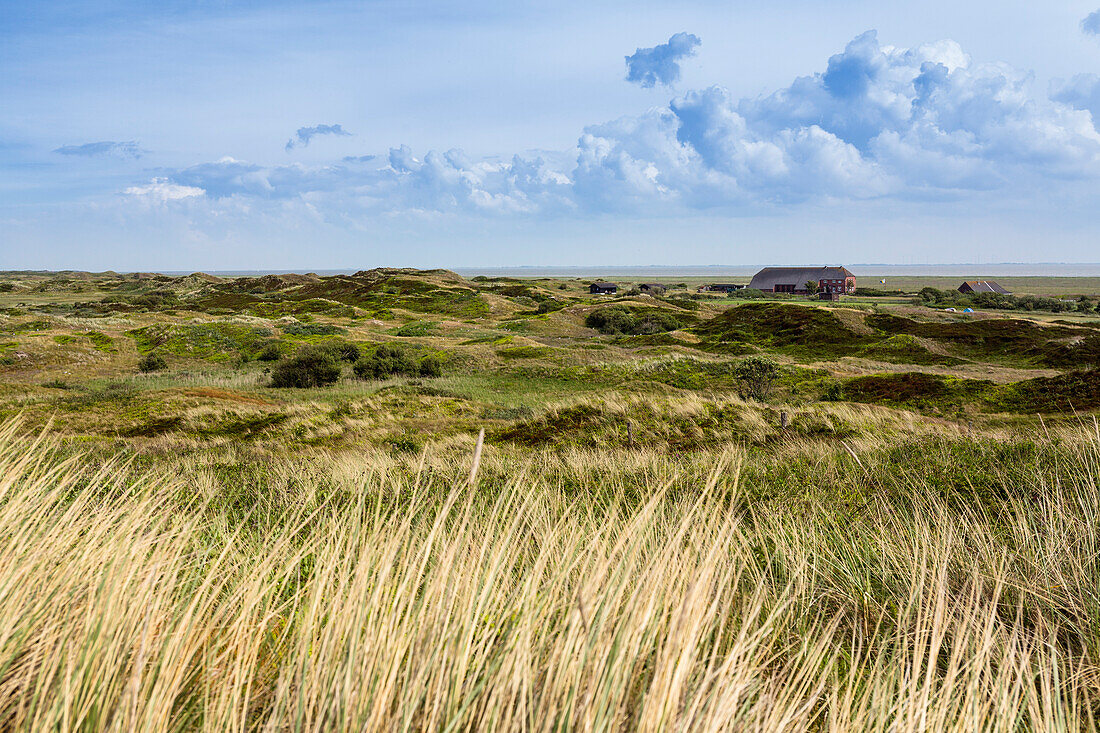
[(569, 590)]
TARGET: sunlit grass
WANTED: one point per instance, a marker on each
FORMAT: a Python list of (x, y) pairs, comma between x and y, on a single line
[(587, 590)]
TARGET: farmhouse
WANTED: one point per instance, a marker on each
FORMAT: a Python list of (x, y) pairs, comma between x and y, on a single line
[(602, 288), (982, 286), (794, 279)]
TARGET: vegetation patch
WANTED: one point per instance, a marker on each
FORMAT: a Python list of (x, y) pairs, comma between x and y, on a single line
[(1070, 392), (793, 329), (1007, 339), (425, 291), (523, 352), (416, 328), (915, 389), (311, 329), (275, 309), (905, 349), (211, 341), (636, 320), (101, 342)]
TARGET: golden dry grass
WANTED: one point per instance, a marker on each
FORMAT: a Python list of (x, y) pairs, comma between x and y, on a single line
[(382, 593)]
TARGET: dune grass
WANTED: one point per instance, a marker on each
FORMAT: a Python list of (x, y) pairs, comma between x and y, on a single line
[(573, 591)]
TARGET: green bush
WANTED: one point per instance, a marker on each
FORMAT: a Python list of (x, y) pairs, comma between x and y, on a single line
[(270, 352), (343, 350), (634, 322), (431, 366), (394, 361), (386, 361), (152, 363), (312, 366)]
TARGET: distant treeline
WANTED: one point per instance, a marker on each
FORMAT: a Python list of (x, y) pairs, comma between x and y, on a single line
[(997, 301)]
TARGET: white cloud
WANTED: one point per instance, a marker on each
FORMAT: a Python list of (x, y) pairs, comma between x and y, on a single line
[(877, 122), (160, 189)]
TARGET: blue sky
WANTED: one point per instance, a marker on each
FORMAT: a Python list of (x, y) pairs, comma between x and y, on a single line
[(252, 135)]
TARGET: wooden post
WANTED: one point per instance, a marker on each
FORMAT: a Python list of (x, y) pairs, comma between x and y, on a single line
[(629, 434), (783, 421)]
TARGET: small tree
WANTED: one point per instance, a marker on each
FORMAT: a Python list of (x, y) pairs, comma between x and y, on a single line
[(812, 287), (757, 375), (310, 367)]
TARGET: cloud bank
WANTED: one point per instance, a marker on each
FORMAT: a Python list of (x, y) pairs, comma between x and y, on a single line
[(305, 134), (877, 123), (660, 64), (128, 149)]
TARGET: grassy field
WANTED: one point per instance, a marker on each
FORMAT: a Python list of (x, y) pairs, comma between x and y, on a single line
[(898, 533)]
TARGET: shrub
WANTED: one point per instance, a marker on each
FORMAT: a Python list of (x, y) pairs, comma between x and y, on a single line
[(431, 366), (757, 374), (312, 366), (634, 322), (344, 351), (386, 361), (152, 363), (270, 352), (394, 361), (551, 305)]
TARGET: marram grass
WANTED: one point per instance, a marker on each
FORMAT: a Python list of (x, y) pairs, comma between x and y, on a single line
[(400, 597)]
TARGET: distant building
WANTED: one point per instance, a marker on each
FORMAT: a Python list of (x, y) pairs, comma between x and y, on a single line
[(794, 279), (982, 286), (722, 287), (651, 287), (602, 288)]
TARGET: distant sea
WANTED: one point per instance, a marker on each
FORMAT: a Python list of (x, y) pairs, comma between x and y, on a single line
[(1004, 269)]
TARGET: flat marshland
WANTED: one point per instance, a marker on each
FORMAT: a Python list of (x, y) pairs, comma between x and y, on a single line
[(695, 518)]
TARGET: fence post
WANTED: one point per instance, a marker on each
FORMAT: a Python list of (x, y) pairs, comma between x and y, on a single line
[(783, 420), (629, 434)]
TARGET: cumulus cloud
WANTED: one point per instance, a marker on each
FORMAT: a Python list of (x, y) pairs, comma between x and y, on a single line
[(660, 64), (876, 122), (1091, 24), (442, 182), (305, 134), (127, 149), (162, 190)]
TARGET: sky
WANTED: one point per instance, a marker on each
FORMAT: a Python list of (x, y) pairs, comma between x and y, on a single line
[(233, 134)]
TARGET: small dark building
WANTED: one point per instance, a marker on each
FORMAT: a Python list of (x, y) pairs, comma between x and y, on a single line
[(723, 287), (982, 286), (794, 279), (651, 287), (602, 288)]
